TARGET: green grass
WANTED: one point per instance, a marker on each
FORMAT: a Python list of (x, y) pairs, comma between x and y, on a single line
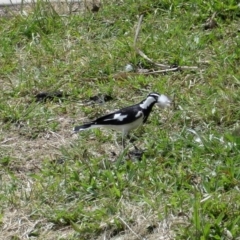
[(58, 186)]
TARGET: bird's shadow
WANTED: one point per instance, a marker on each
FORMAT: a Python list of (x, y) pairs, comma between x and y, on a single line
[(128, 154), (136, 154)]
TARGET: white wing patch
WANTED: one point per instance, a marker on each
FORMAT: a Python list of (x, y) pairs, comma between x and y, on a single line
[(117, 116), (139, 113)]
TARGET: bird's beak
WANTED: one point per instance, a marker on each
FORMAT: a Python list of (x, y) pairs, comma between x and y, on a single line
[(164, 101)]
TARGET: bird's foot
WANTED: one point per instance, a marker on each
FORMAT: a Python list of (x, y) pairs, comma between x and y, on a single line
[(136, 154)]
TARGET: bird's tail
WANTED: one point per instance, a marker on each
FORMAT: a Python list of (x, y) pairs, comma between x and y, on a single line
[(82, 127)]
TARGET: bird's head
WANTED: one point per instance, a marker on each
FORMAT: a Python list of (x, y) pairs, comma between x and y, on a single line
[(161, 100)]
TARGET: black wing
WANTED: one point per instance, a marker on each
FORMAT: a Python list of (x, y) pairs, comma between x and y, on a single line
[(122, 116)]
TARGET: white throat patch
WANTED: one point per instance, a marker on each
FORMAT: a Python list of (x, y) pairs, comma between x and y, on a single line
[(147, 102)]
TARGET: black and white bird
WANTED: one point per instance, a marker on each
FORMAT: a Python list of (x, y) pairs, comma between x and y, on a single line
[(128, 118)]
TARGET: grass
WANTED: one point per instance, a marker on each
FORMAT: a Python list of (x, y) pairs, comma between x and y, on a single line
[(58, 186)]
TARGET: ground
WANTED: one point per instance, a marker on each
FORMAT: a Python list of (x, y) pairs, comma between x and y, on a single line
[(57, 59)]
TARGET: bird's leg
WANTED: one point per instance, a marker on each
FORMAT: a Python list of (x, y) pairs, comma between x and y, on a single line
[(132, 138), (135, 147), (116, 140), (123, 140), (124, 135)]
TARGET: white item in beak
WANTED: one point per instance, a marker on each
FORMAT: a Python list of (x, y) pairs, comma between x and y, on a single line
[(164, 101)]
